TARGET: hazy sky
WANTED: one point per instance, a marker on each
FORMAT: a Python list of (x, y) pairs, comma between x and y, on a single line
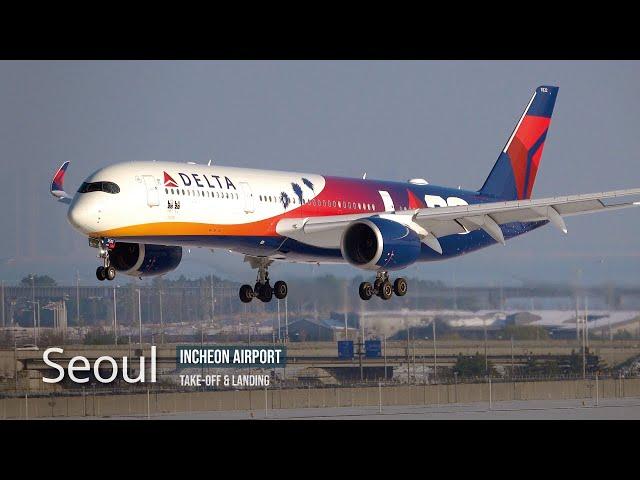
[(444, 121)]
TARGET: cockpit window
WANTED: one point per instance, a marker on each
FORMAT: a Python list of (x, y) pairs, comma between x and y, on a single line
[(107, 187)]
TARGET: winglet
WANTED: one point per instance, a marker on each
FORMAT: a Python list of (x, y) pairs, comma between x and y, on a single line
[(57, 184)]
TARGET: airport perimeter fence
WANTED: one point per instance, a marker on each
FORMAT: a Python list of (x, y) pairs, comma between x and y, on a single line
[(151, 402), (292, 383)]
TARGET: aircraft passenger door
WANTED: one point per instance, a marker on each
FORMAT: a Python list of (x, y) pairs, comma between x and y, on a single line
[(153, 194), (248, 197)]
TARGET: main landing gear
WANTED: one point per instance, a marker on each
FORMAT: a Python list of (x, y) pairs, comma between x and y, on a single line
[(106, 271), (383, 288), (263, 290)]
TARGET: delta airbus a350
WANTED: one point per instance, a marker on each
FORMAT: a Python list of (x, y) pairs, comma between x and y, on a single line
[(140, 215)]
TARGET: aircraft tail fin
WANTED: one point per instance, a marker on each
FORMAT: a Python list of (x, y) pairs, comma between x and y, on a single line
[(514, 173)]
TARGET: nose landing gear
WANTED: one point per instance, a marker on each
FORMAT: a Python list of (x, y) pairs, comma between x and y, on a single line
[(106, 271), (263, 290), (382, 287)]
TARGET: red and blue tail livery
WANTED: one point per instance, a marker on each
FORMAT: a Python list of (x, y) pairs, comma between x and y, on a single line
[(514, 173), (140, 215), (57, 184)]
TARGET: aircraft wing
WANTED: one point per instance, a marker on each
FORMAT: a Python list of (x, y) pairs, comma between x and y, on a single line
[(432, 223)]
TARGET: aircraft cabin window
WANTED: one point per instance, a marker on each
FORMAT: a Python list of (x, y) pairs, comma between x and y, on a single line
[(107, 187)]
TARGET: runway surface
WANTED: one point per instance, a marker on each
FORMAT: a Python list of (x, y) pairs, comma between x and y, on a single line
[(610, 409)]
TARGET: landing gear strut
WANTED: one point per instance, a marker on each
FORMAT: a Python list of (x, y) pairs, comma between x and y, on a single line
[(263, 290), (382, 287), (106, 271)]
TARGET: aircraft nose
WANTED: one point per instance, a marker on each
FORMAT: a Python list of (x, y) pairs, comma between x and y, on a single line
[(80, 217)]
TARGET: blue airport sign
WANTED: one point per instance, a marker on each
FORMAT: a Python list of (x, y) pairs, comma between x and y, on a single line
[(345, 349), (372, 348)]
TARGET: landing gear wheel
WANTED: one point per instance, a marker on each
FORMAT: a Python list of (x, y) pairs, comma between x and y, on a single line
[(266, 293), (366, 291), (386, 291), (280, 290), (101, 274), (246, 293), (110, 273), (400, 287)]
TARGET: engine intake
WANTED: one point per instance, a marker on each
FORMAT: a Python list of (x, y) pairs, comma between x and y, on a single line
[(380, 244), (144, 260)]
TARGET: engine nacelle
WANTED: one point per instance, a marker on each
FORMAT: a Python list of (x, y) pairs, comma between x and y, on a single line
[(379, 244), (144, 260)]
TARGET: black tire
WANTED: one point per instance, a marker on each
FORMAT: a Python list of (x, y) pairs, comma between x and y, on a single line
[(246, 293), (280, 290), (266, 293), (400, 287), (365, 291), (386, 291), (110, 273), (101, 274)]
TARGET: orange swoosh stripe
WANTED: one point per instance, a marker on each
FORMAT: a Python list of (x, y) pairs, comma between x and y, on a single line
[(262, 228)]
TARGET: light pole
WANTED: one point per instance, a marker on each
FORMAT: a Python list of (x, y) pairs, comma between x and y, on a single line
[(77, 298), (486, 360), (384, 347), (139, 316), (33, 304), (435, 353), (161, 319), (511, 356), (286, 319), (3, 317), (279, 328), (115, 316), (213, 301)]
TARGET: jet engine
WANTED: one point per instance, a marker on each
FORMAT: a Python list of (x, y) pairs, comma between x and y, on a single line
[(379, 244), (144, 260)]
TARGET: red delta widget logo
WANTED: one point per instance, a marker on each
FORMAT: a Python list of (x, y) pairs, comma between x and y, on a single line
[(212, 181), (80, 363)]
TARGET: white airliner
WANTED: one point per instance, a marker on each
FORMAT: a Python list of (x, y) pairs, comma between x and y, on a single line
[(141, 214)]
